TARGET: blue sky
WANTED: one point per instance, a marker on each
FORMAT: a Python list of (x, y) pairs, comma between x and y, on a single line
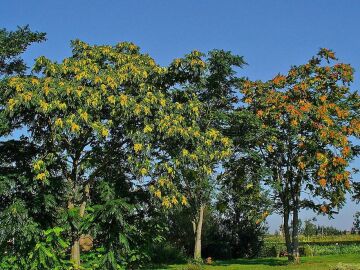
[(272, 35)]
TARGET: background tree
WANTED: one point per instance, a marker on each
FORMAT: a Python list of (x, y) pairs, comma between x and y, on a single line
[(212, 81), (356, 223), (310, 227), (12, 45), (19, 217), (307, 118)]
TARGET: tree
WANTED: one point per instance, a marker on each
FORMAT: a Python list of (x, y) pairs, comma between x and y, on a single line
[(310, 228), (12, 45), (106, 108), (243, 205), (243, 202), (356, 223), (19, 228), (307, 118), (212, 81)]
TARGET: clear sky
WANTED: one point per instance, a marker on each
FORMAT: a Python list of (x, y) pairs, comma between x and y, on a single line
[(272, 35)]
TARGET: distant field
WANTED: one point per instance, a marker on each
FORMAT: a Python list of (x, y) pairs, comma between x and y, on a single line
[(307, 263), (314, 245), (318, 238)]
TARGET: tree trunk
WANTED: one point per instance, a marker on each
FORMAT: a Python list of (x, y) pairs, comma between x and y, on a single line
[(75, 253), (198, 231), (295, 233), (75, 249), (287, 231)]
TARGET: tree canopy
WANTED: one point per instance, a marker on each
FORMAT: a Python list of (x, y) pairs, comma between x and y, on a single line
[(119, 155)]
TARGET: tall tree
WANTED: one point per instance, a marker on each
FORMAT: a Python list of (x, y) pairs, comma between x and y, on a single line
[(17, 193), (106, 108), (212, 80), (308, 116), (243, 202)]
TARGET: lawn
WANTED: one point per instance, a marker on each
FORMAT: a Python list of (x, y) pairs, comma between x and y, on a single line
[(308, 263)]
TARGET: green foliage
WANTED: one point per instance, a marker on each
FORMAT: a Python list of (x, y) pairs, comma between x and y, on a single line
[(167, 253), (14, 43), (275, 251), (102, 120), (107, 125), (309, 228), (356, 223), (308, 251), (49, 252)]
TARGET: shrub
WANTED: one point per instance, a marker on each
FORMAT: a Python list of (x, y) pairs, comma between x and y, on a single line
[(275, 251), (308, 251), (166, 253)]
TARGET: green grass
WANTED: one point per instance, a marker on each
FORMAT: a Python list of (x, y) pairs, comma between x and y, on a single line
[(308, 263)]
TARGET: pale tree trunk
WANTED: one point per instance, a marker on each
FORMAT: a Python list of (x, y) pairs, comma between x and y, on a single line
[(198, 231), (75, 253), (75, 249)]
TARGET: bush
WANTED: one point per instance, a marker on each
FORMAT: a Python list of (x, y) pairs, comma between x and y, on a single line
[(275, 251), (308, 251), (166, 253)]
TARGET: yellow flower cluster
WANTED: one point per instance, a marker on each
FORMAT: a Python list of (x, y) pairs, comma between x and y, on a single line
[(38, 165), (104, 132), (44, 106), (84, 116), (75, 127), (148, 129), (123, 100), (11, 104), (111, 99), (143, 171), (41, 176), (59, 122), (138, 147)]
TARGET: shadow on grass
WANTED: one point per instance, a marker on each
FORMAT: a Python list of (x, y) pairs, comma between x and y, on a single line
[(262, 261)]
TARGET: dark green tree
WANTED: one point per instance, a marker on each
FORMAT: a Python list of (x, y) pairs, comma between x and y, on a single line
[(212, 79), (21, 217), (12, 45)]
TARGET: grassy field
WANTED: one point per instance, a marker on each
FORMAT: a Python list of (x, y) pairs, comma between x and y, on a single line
[(307, 263), (317, 238)]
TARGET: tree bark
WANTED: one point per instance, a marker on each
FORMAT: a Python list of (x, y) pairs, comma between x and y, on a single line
[(287, 231), (75, 253), (295, 232), (198, 232), (75, 249)]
